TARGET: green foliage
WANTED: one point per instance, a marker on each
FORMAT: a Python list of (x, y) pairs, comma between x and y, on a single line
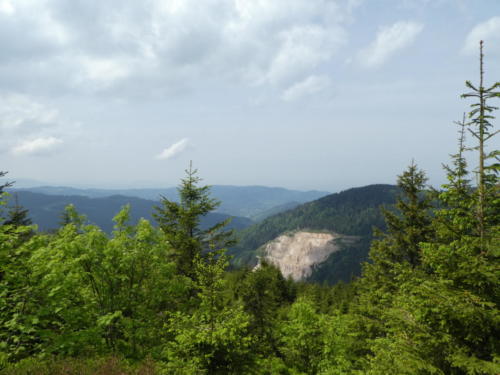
[(214, 339), (301, 338), (408, 226), (180, 222), (17, 215), (18, 317), (264, 292), (124, 281), (440, 315), (95, 366)]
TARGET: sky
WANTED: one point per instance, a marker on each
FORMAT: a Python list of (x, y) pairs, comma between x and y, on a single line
[(302, 94)]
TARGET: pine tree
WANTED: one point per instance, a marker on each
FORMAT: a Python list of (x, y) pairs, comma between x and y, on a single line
[(17, 215), (180, 221), (71, 216), (480, 127), (264, 291), (457, 195), (408, 226), (5, 184)]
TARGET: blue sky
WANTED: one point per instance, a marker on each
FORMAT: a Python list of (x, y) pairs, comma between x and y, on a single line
[(305, 94)]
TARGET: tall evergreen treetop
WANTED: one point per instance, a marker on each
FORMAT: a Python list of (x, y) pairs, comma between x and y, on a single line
[(5, 184), (17, 215), (180, 221), (408, 226), (481, 128)]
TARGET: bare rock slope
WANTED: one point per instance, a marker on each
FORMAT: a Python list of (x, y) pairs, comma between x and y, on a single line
[(296, 254)]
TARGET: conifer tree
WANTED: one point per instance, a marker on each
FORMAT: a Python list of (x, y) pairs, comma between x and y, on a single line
[(480, 127), (214, 339), (443, 316), (5, 184), (456, 196), (71, 216), (408, 226), (180, 221), (17, 215), (263, 292)]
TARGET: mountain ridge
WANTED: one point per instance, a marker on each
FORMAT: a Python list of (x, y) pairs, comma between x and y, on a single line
[(244, 201), (45, 210)]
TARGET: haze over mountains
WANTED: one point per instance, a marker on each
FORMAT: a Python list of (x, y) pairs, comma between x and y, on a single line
[(255, 202)]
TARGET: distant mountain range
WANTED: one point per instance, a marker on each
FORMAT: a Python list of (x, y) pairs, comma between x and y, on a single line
[(255, 202), (45, 210), (352, 212)]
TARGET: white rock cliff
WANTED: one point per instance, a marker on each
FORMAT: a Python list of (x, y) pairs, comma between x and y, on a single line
[(297, 253)]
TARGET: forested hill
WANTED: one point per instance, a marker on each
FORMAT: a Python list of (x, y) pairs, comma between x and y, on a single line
[(45, 210), (255, 202), (353, 212)]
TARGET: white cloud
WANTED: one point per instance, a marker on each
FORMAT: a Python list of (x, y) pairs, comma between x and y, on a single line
[(104, 72), (17, 111), (488, 31), (174, 150), (6, 7), (37, 146), (303, 49), (30, 126), (102, 46), (311, 85), (389, 40)]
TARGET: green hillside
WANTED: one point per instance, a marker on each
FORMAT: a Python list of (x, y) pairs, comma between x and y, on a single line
[(351, 212)]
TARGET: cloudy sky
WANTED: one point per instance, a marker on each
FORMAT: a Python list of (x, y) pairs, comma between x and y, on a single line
[(306, 94)]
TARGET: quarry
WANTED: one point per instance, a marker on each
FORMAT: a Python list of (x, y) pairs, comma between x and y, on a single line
[(296, 253)]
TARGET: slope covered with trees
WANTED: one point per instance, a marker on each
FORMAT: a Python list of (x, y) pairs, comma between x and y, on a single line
[(353, 212)]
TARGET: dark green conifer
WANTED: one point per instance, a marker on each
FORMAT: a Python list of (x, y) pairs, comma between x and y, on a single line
[(180, 221), (481, 128), (5, 184), (408, 226), (17, 215)]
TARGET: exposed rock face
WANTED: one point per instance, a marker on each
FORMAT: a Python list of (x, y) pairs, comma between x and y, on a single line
[(297, 253)]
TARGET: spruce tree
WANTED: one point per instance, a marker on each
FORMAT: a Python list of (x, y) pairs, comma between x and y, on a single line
[(5, 184), (443, 316), (407, 226), (481, 128), (180, 221), (17, 215)]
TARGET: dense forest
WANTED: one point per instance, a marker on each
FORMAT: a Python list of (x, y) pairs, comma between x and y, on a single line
[(149, 299)]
